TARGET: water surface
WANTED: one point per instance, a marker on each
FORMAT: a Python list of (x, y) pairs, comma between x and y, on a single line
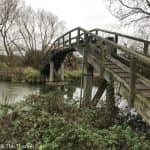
[(15, 92)]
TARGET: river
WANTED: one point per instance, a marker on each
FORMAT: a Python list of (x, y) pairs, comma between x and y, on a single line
[(16, 92)]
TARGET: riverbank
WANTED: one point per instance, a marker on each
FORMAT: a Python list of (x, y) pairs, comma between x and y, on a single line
[(31, 75), (21, 75), (52, 122)]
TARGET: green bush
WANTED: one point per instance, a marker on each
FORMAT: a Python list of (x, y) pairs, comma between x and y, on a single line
[(52, 123), (3, 66), (72, 74), (31, 75)]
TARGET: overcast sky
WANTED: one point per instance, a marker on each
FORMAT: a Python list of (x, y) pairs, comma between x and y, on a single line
[(85, 13)]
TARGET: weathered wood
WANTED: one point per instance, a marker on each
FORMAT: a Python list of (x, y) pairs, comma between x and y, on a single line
[(129, 51), (51, 77), (63, 42), (116, 41), (146, 48), (132, 82), (78, 37), (101, 88), (87, 75), (96, 32), (88, 83), (70, 39), (120, 72), (112, 50), (102, 64), (110, 98), (121, 35), (62, 72)]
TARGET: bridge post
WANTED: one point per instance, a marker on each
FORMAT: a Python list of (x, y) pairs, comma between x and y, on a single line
[(62, 72), (110, 97), (113, 51), (102, 83), (87, 85), (100, 91), (132, 81), (87, 75), (51, 73)]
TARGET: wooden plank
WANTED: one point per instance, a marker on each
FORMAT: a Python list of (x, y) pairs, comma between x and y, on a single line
[(141, 87), (122, 35), (101, 88)]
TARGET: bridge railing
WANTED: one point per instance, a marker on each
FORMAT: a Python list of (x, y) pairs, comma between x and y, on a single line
[(117, 35), (77, 34)]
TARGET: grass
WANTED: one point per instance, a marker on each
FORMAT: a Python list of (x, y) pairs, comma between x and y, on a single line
[(72, 74)]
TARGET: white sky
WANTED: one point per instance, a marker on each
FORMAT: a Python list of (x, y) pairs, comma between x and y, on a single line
[(84, 13)]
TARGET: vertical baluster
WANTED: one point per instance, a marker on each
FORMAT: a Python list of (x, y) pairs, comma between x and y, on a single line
[(96, 32), (78, 37), (54, 45), (145, 48), (63, 41), (115, 49), (70, 39), (51, 72), (58, 42), (116, 38), (132, 81)]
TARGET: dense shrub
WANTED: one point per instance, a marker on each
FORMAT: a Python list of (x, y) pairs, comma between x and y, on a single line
[(3, 66), (31, 75), (52, 123), (70, 74)]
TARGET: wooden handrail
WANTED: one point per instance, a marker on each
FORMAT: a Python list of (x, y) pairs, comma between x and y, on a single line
[(121, 35)]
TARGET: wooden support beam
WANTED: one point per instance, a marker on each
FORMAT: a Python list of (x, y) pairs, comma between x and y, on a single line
[(87, 85), (110, 97), (62, 72), (101, 88), (87, 74), (132, 81), (51, 74)]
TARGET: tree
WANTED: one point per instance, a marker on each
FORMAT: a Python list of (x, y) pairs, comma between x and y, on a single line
[(37, 31), (132, 12), (9, 11), (49, 27)]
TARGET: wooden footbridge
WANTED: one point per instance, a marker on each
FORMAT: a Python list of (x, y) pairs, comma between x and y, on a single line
[(115, 63)]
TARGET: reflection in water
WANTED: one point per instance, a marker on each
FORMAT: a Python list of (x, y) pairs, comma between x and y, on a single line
[(77, 92), (121, 103), (12, 92)]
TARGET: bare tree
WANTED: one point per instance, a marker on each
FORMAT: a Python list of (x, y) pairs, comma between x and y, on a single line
[(49, 27), (27, 26), (37, 31), (132, 12), (9, 11)]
